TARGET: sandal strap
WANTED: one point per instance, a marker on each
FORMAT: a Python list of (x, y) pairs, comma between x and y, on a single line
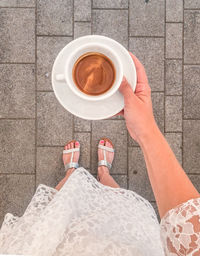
[(71, 165), (106, 148), (67, 151), (105, 163)]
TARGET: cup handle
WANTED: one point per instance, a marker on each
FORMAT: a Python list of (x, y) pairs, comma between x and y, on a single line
[(60, 77)]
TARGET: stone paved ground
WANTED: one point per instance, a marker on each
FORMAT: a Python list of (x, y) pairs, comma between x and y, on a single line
[(164, 35)]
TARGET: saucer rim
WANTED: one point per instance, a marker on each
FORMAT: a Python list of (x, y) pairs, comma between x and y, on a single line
[(105, 38)]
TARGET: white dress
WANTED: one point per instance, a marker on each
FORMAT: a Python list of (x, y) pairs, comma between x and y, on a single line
[(88, 218)]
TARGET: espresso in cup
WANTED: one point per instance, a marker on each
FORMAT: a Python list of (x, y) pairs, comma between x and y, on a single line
[(93, 73)]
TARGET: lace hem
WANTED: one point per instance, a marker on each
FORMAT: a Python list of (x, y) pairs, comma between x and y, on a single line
[(180, 229)]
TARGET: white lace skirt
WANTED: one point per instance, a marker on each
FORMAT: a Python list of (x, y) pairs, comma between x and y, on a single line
[(83, 218)]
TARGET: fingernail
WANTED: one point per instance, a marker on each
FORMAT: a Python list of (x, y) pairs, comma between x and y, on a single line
[(77, 143), (102, 141)]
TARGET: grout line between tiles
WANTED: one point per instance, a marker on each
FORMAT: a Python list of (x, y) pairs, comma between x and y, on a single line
[(35, 92), (174, 22), (91, 126), (165, 69), (73, 129), (91, 17), (191, 9), (127, 133), (128, 22), (173, 58), (182, 150), (82, 21)]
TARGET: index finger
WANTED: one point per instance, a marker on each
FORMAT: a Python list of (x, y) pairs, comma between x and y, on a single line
[(141, 74)]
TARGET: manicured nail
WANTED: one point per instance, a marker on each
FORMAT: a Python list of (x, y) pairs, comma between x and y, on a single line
[(77, 143), (102, 141)]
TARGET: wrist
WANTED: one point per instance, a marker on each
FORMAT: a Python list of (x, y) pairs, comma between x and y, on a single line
[(151, 133)]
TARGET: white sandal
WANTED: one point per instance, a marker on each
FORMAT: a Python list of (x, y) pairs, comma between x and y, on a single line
[(105, 148), (71, 164)]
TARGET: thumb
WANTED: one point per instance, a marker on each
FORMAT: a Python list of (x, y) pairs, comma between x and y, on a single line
[(125, 88)]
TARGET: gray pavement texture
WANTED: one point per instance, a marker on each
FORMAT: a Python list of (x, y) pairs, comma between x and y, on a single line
[(34, 127)]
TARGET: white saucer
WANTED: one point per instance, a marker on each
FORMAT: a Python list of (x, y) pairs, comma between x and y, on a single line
[(92, 110)]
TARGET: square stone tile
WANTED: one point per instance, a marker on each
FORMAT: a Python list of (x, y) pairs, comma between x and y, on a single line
[(195, 179), (121, 180), (82, 29), (158, 108), (84, 140), (17, 3), (50, 168), (137, 173), (82, 10), (110, 4), (146, 19), (116, 131), (192, 37), (17, 35), (174, 33), (54, 123), (191, 92), (175, 142), (54, 17), (174, 10), (173, 77), (173, 113), (192, 4), (47, 50), (150, 51), (16, 193), (111, 23), (191, 146), (17, 151), (81, 125), (17, 90)]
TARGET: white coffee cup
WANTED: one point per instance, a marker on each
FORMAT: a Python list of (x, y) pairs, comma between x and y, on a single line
[(71, 60)]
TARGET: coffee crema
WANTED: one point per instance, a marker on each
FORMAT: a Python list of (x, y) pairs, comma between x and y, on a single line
[(93, 73)]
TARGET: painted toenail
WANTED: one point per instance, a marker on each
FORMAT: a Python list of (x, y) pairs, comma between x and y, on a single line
[(77, 143), (102, 141)]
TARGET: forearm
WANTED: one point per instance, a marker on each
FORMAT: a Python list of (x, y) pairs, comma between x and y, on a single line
[(170, 184)]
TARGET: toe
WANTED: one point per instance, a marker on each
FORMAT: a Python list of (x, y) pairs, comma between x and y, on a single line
[(107, 144), (101, 142), (72, 145), (77, 144)]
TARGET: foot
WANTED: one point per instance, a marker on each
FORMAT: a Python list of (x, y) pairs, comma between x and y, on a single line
[(67, 157), (109, 158)]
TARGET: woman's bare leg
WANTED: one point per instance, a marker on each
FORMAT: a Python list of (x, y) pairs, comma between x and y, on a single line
[(62, 182), (105, 178), (171, 185), (103, 173), (66, 159)]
